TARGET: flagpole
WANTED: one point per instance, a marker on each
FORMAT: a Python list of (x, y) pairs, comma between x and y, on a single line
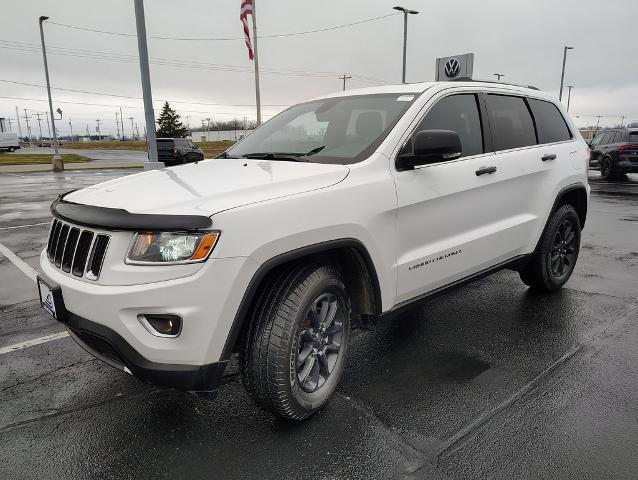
[(257, 96)]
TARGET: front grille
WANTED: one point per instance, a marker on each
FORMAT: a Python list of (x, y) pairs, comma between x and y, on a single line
[(69, 248)]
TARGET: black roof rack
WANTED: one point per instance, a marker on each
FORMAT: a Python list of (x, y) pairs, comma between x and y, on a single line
[(468, 79)]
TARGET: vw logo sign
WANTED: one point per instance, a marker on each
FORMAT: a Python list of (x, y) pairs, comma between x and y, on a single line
[(452, 68)]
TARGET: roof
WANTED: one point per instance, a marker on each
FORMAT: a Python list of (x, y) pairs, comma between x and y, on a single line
[(405, 88)]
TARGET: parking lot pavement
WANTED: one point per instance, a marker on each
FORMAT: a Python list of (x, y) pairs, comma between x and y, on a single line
[(488, 381)]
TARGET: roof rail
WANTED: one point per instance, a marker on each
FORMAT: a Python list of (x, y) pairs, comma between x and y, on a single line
[(468, 79)]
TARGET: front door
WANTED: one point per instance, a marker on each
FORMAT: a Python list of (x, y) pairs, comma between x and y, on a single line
[(448, 220)]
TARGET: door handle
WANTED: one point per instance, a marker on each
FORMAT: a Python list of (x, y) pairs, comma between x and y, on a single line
[(549, 156), (484, 170)]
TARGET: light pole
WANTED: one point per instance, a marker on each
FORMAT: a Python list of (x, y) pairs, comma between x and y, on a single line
[(405, 34), (149, 115), (562, 75), (498, 76), (57, 163), (569, 94), (344, 77)]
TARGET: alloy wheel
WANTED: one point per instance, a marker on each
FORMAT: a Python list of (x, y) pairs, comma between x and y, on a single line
[(563, 252), (319, 342)]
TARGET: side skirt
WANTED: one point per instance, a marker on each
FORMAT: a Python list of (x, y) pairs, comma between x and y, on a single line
[(515, 263)]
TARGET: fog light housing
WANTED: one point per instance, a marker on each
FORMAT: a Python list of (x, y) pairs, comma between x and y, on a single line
[(166, 325)]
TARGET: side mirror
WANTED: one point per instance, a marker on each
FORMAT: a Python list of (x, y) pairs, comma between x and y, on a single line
[(431, 146)]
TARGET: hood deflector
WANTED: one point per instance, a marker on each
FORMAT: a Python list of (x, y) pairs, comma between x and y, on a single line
[(120, 219)]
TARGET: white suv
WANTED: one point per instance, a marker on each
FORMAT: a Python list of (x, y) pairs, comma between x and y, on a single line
[(335, 212)]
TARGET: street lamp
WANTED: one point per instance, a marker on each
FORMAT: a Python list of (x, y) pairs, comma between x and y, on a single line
[(569, 94), (57, 163), (562, 75), (405, 33), (498, 76)]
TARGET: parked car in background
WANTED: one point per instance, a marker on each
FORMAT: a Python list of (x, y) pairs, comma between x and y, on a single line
[(615, 152), (175, 151), (9, 141)]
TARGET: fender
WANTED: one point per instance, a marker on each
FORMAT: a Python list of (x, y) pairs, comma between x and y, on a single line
[(266, 267), (557, 201)]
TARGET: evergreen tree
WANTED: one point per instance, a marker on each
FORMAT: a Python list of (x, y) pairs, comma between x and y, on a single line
[(169, 124)]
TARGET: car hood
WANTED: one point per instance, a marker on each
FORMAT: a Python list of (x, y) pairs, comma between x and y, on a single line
[(210, 186)]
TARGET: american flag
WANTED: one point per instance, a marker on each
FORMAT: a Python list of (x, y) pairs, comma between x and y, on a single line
[(247, 9)]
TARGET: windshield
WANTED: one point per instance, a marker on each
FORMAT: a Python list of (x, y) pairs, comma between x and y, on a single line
[(335, 130)]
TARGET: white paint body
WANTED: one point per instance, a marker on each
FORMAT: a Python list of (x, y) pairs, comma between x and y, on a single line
[(9, 140), (266, 208)]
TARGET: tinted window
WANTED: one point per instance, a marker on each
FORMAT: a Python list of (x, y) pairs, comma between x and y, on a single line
[(633, 137), (460, 114), (607, 136), (511, 122), (550, 124), (598, 139)]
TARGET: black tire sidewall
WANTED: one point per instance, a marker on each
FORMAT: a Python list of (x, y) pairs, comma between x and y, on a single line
[(309, 402), (609, 173)]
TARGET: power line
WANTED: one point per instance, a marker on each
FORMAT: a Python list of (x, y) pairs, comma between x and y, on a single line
[(111, 56), (208, 39)]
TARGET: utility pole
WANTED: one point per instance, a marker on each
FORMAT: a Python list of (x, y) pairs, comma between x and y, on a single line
[(71, 128), (406, 12), (117, 124), (562, 75), (37, 115), (122, 122), (18, 119), (137, 130), (9, 122), (97, 129), (133, 129), (622, 120), (26, 120), (344, 77), (569, 95), (598, 122), (48, 125), (207, 128), (146, 87), (245, 120), (188, 125), (56, 162), (498, 76)]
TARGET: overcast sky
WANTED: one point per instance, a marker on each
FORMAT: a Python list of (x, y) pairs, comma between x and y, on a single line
[(522, 39)]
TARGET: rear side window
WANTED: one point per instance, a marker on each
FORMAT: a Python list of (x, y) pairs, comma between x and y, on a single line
[(510, 122), (633, 137), (550, 124), (460, 114)]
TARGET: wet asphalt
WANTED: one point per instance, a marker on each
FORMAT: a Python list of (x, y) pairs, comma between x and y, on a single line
[(488, 381)]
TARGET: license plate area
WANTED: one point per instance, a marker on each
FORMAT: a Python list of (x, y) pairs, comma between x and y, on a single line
[(51, 299)]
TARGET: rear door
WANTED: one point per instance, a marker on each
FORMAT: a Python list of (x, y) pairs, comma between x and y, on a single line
[(534, 145), (448, 212)]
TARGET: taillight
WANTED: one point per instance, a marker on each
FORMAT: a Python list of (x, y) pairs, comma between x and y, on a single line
[(628, 146)]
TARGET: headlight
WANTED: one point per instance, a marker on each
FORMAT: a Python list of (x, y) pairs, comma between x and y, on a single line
[(169, 247)]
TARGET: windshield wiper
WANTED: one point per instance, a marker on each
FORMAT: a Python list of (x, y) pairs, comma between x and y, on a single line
[(289, 156)]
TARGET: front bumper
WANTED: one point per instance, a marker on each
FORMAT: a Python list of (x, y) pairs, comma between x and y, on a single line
[(104, 319), (107, 345)]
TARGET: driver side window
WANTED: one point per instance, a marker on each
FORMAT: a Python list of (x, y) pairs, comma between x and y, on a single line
[(460, 114)]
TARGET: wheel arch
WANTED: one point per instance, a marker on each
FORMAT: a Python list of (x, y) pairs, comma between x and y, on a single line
[(356, 265), (574, 195)]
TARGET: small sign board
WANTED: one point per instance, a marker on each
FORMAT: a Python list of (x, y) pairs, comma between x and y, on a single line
[(456, 66)]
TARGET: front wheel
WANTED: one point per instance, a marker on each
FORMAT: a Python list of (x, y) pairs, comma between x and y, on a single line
[(553, 263), (295, 349)]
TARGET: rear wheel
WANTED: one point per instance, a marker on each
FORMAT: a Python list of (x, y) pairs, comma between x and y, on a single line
[(294, 353), (553, 263), (11, 149), (607, 171)]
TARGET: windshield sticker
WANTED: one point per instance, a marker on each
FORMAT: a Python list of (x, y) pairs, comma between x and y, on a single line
[(405, 98)]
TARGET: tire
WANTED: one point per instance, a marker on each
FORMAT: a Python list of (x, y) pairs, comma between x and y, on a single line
[(290, 365), (553, 263), (11, 149), (607, 171)]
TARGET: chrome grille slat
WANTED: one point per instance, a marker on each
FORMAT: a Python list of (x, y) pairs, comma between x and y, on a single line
[(76, 251)]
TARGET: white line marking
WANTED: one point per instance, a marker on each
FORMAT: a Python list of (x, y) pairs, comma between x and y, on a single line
[(25, 226), (24, 267), (31, 343)]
